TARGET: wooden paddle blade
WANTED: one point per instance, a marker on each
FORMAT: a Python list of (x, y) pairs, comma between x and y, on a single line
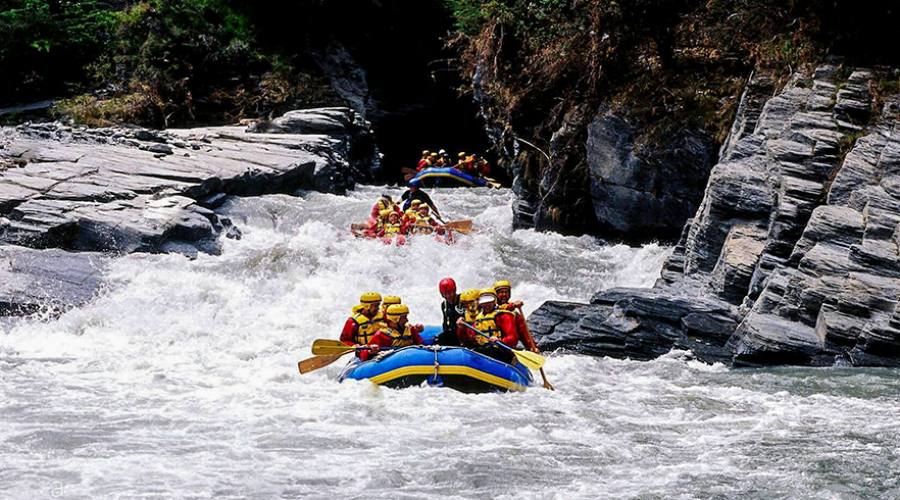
[(407, 170), (408, 176), (316, 362), (328, 347), (460, 226), (530, 359)]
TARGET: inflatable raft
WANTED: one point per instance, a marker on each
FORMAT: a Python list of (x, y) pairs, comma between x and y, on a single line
[(448, 177), (454, 367)]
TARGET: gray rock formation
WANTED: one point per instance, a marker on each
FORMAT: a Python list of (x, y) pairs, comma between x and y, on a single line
[(639, 193), (128, 190), (48, 281), (792, 256), (120, 190)]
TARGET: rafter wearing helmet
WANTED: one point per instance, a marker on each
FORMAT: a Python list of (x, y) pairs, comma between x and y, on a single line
[(395, 332)]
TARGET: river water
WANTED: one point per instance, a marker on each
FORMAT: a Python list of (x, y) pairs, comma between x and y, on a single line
[(180, 381)]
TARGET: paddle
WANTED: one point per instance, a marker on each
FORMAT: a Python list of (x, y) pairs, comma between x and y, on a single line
[(316, 362), (329, 347), (530, 340), (460, 226), (530, 359), (327, 351), (492, 183)]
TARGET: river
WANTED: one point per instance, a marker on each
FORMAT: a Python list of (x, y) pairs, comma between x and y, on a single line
[(180, 380)]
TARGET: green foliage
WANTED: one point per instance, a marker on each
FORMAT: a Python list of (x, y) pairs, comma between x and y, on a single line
[(180, 49), (155, 62), (41, 41)]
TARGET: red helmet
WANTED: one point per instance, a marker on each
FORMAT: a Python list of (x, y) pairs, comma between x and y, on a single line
[(447, 287)]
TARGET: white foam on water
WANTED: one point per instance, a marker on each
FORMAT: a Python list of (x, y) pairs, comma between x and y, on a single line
[(180, 381)]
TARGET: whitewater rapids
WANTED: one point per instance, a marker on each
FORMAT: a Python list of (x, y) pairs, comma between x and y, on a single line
[(180, 380)]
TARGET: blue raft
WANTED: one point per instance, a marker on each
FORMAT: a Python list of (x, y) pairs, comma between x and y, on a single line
[(448, 177), (454, 367)]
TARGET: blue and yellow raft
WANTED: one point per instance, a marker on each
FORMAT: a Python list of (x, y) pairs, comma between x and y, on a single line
[(454, 367), (448, 176)]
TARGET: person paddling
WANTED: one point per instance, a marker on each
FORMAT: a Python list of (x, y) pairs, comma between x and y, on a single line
[(364, 321), (451, 310), (388, 301), (496, 324), (415, 193), (395, 333), (504, 293)]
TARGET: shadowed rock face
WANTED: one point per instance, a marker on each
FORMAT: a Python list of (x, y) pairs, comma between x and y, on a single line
[(792, 256), (123, 190)]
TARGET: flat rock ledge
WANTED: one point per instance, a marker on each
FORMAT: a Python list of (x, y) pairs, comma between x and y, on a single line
[(122, 190), (792, 257)]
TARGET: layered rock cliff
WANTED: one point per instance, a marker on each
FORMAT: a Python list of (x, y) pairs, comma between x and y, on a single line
[(792, 256)]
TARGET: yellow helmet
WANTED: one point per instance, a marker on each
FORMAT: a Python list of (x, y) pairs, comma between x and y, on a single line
[(390, 300), (470, 295), (370, 298), (415, 203), (502, 284), (461, 155), (396, 310), (426, 153)]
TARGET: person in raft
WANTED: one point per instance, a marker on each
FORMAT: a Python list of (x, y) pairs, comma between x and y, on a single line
[(468, 300), (391, 228), (395, 333), (451, 310), (496, 325), (415, 193), (425, 223), (424, 162), (364, 321), (388, 301), (504, 292)]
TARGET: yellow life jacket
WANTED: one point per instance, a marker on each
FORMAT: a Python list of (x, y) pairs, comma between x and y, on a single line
[(487, 324), (390, 229), (367, 328), (471, 316), (399, 339)]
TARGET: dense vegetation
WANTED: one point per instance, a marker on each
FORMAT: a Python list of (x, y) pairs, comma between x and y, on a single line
[(663, 59), (150, 61)]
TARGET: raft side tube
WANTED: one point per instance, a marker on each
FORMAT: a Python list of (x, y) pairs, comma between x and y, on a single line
[(455, 367)]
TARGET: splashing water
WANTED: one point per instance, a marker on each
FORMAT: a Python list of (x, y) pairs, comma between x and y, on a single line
[(180, 381)]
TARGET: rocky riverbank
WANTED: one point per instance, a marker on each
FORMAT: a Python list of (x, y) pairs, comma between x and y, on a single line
[(792, 256), (72, 196)]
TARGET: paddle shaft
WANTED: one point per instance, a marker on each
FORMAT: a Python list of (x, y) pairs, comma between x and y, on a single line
[(530, 359), (530, 340)]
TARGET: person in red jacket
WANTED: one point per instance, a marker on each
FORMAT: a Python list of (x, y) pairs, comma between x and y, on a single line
[(385, 202), (395, 333), (504, 292), (496, 325), (424, 162), (364, 322)]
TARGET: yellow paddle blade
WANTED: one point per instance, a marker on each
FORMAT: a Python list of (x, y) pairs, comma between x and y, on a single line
[(530, 359), (316, 362), (460, 226), (328, 347)]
